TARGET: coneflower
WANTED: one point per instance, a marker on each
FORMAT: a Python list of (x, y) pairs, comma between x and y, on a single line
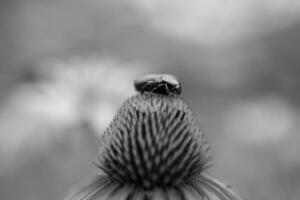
[(154, 149)]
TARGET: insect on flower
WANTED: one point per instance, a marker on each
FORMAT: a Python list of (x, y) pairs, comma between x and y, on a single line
[(154, 149), (166, 84)]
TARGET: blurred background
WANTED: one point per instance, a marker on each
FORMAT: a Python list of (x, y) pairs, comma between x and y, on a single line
[(67, 66)]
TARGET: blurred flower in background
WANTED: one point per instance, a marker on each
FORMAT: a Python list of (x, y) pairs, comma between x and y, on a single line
[(70, 93), (262, 121), (35, 115), (66, 67)]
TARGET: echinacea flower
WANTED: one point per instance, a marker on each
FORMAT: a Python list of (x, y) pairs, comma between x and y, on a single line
[(154, 149)]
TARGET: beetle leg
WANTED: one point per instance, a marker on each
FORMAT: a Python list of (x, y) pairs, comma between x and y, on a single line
[(158, 86), (142, 90), (167, 88)]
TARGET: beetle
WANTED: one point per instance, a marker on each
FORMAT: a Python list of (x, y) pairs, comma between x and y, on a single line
[(166, 84)]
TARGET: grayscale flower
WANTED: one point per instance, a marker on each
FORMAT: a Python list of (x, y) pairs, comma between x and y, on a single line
[(154, 149)]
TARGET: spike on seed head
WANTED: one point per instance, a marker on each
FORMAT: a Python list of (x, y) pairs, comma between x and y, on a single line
[(153, 142)]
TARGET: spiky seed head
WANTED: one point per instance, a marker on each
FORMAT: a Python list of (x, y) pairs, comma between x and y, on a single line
[(153, 142), (153, 149)]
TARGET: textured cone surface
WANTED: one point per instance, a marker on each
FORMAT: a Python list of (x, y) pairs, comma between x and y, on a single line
[(153, 142)]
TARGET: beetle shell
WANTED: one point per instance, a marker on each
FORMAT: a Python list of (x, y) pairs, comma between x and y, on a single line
[(166, 84)]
